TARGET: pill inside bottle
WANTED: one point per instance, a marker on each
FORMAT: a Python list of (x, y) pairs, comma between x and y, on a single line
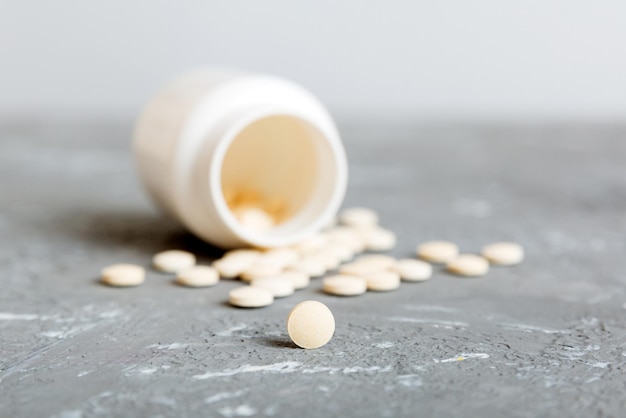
[(274, 176)]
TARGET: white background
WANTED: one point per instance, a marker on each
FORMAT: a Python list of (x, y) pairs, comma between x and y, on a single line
[(474, 59)]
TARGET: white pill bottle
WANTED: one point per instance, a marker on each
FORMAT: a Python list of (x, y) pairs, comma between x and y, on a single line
[(211, 137)]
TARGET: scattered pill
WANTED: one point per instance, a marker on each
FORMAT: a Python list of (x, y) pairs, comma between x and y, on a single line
[(342, 252), (299, 279), (411, 270), (437, 251), (261, 268), (344, 285), (312, 245), (347, 237), (380, 261), (310, 324), (173, 261), (503, 253), (378, 239), (310, 265), (329, 260), (277, 286), (250, 297), (232, 267), (358, 217), (281, 256), (382, 281), (198, 276), (123, 275), (468, 265)]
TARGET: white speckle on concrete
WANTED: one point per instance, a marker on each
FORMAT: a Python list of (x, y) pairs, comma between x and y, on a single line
[(574, 353), (600, 365), (435, 323), (373, 369), (150, 370), (83, 373), (384, 344), (284, 367), (237, 411), (430, 308), (8, 316), (228, 332), (462, 356), (172, 346), (224, 395), (532, 328)]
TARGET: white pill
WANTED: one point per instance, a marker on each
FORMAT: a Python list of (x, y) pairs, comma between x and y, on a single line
[(254, 218), (378, 239), (299, 279), (358, 217), (329, 260), (236, 262), (310, 265), (310, 324), (261, 268), (281, 256), (437, 251), (173, 261), (468, 265), (312, 245), (198, 276), (343, 253), (344, 285), (380, 261), (503, 253), (347, 237), (276, 285), (123, 275), (382, 281), (250, 297), (243, 253), (411, 270)]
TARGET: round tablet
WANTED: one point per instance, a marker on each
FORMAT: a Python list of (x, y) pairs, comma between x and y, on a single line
[(299, 279), (261, 268), (411, 270), (347, 237), (380, 261), (250, 297), (310, 324), (437, 251), (277, 286), (378, 239), (281, 256), (123, 275), (358, 217), (383, 281), (344, 285), (173, 261), (310, 265), (503, 253), (198, 276), (254, 218), (468, 265)]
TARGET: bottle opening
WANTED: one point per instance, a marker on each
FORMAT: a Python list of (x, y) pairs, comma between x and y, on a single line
[(279, 179)]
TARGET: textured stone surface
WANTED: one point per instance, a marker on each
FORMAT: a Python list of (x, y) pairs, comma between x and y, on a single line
[(546, 338)]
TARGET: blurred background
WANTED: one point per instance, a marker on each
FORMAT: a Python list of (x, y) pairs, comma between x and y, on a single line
[(467, 60)]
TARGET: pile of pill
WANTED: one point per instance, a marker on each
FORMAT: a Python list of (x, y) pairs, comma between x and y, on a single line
[(336, 253), (254, 211)]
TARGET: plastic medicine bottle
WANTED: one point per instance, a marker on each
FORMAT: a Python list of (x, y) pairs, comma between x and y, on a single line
[(210, 135)]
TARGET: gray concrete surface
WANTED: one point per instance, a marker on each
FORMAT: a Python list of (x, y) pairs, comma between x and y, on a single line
[(546, 338)]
